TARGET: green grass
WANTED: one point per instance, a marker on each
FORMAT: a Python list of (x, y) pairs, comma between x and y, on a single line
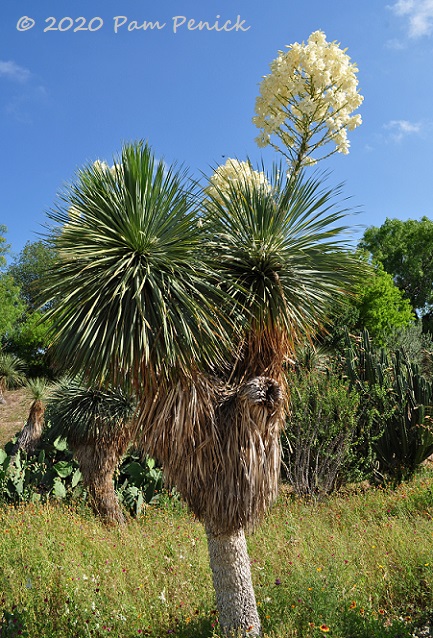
[(359, 564)]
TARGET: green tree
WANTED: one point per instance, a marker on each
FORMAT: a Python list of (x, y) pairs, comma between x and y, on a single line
[(382, 306), (11, 304), (10, 294), (376, 304), (198, 309), (28, 338), (4, 247), (29, 270), (405, 249)]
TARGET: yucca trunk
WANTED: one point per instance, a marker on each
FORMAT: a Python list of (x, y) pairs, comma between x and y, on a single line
[(233, 585), (98, 462), (220, 447), (30, 435)]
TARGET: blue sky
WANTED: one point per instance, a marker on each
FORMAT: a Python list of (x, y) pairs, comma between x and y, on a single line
[(70, 97)]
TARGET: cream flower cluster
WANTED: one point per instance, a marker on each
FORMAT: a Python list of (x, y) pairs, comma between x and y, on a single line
[(234, 174), (308, 99), (98, 166), (103, 167)]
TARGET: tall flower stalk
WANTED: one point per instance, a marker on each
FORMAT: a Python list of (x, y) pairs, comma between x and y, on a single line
[(307, 102)]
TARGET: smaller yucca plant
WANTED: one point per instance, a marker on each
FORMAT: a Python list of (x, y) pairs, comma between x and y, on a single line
[(38, 392), (11, 373), (98, 426)]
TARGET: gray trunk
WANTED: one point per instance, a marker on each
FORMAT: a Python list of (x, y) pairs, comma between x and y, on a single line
[(231, 573)]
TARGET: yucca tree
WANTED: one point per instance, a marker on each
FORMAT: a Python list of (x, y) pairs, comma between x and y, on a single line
[(134, 301), (11, 373), (98, 425), (280, 260), (197, 308), (38, 392)]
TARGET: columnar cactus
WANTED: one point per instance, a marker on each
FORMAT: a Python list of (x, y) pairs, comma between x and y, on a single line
[(405, 402)]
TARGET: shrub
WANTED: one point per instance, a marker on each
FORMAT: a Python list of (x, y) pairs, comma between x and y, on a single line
[(321, 435)]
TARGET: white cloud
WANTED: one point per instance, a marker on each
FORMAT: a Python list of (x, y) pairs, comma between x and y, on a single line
[(401, 128), (395, 44), (13, 71), (419, 14)]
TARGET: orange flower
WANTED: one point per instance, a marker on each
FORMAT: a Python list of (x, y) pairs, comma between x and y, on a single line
[(352, 604), (324, 628)]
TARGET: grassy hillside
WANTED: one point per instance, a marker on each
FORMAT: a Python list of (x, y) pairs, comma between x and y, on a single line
[(359, 565)]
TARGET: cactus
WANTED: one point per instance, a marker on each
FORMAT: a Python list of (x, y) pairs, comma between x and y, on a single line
[(403, 406)]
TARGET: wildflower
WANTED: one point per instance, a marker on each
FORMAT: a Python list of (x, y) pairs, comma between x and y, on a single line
[(277, 581), (352, 604), (324, 628)]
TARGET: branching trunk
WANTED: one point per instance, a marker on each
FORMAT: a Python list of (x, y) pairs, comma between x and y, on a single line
[(98, 464), (231, 574), (220, 446)]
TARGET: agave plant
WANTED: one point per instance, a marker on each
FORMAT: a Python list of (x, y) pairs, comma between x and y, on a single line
[(98, 426), (38, 391), (197, 307), (11, 372)]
